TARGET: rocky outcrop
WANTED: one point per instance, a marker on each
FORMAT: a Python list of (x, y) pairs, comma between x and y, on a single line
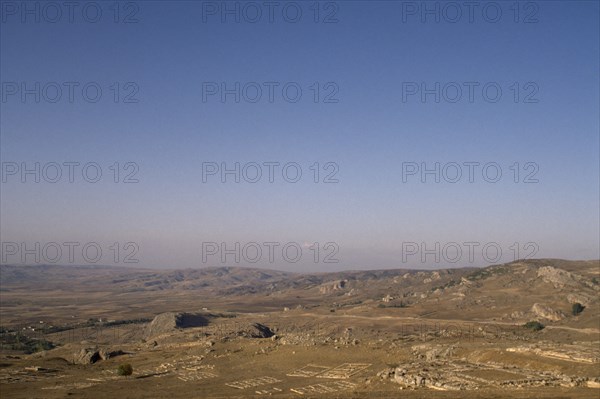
[(93, 355), (579, 298), (170, 322), (557, 277), (433, 277), (429, 353), (330, 287), (87, 356), (546, 312), (235, 330), (254, 330), (453, 376), (426, 378)]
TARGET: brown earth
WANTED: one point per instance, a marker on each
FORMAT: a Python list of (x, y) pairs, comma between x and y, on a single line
[(235, 332)]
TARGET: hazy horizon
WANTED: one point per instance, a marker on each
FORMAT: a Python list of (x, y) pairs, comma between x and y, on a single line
[(380, 161)]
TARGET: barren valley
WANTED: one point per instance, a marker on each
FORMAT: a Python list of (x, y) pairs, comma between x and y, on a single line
[(507, 330)]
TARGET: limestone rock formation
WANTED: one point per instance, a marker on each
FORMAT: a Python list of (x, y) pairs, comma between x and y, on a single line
[(557, 277), (170, 322), (546, 312), (333, 286), (93, 355)]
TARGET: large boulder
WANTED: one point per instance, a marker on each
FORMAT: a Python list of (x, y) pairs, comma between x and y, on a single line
[(545, 312), (169, 322), (330, 287), (93, 355), (254, 330), (87, 356)]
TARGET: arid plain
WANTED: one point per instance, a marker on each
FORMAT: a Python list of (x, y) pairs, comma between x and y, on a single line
[(525, 329)]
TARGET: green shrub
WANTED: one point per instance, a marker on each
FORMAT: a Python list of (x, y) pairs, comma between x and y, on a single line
[(577, 308), (534, 325), (125, 369), (43, 345)]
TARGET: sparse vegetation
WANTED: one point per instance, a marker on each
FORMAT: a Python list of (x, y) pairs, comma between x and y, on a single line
[(21, 342), (534, 325), (403, 346), (392, 305), (125, 369), (577, 308), (487, 272), (42, 345), (449, 284), (94, 322)]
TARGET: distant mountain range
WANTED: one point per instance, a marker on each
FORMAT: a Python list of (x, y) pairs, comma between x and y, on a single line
[(541, 289)]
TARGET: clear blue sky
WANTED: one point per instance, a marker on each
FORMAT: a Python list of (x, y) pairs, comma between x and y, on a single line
[(369, 55)]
